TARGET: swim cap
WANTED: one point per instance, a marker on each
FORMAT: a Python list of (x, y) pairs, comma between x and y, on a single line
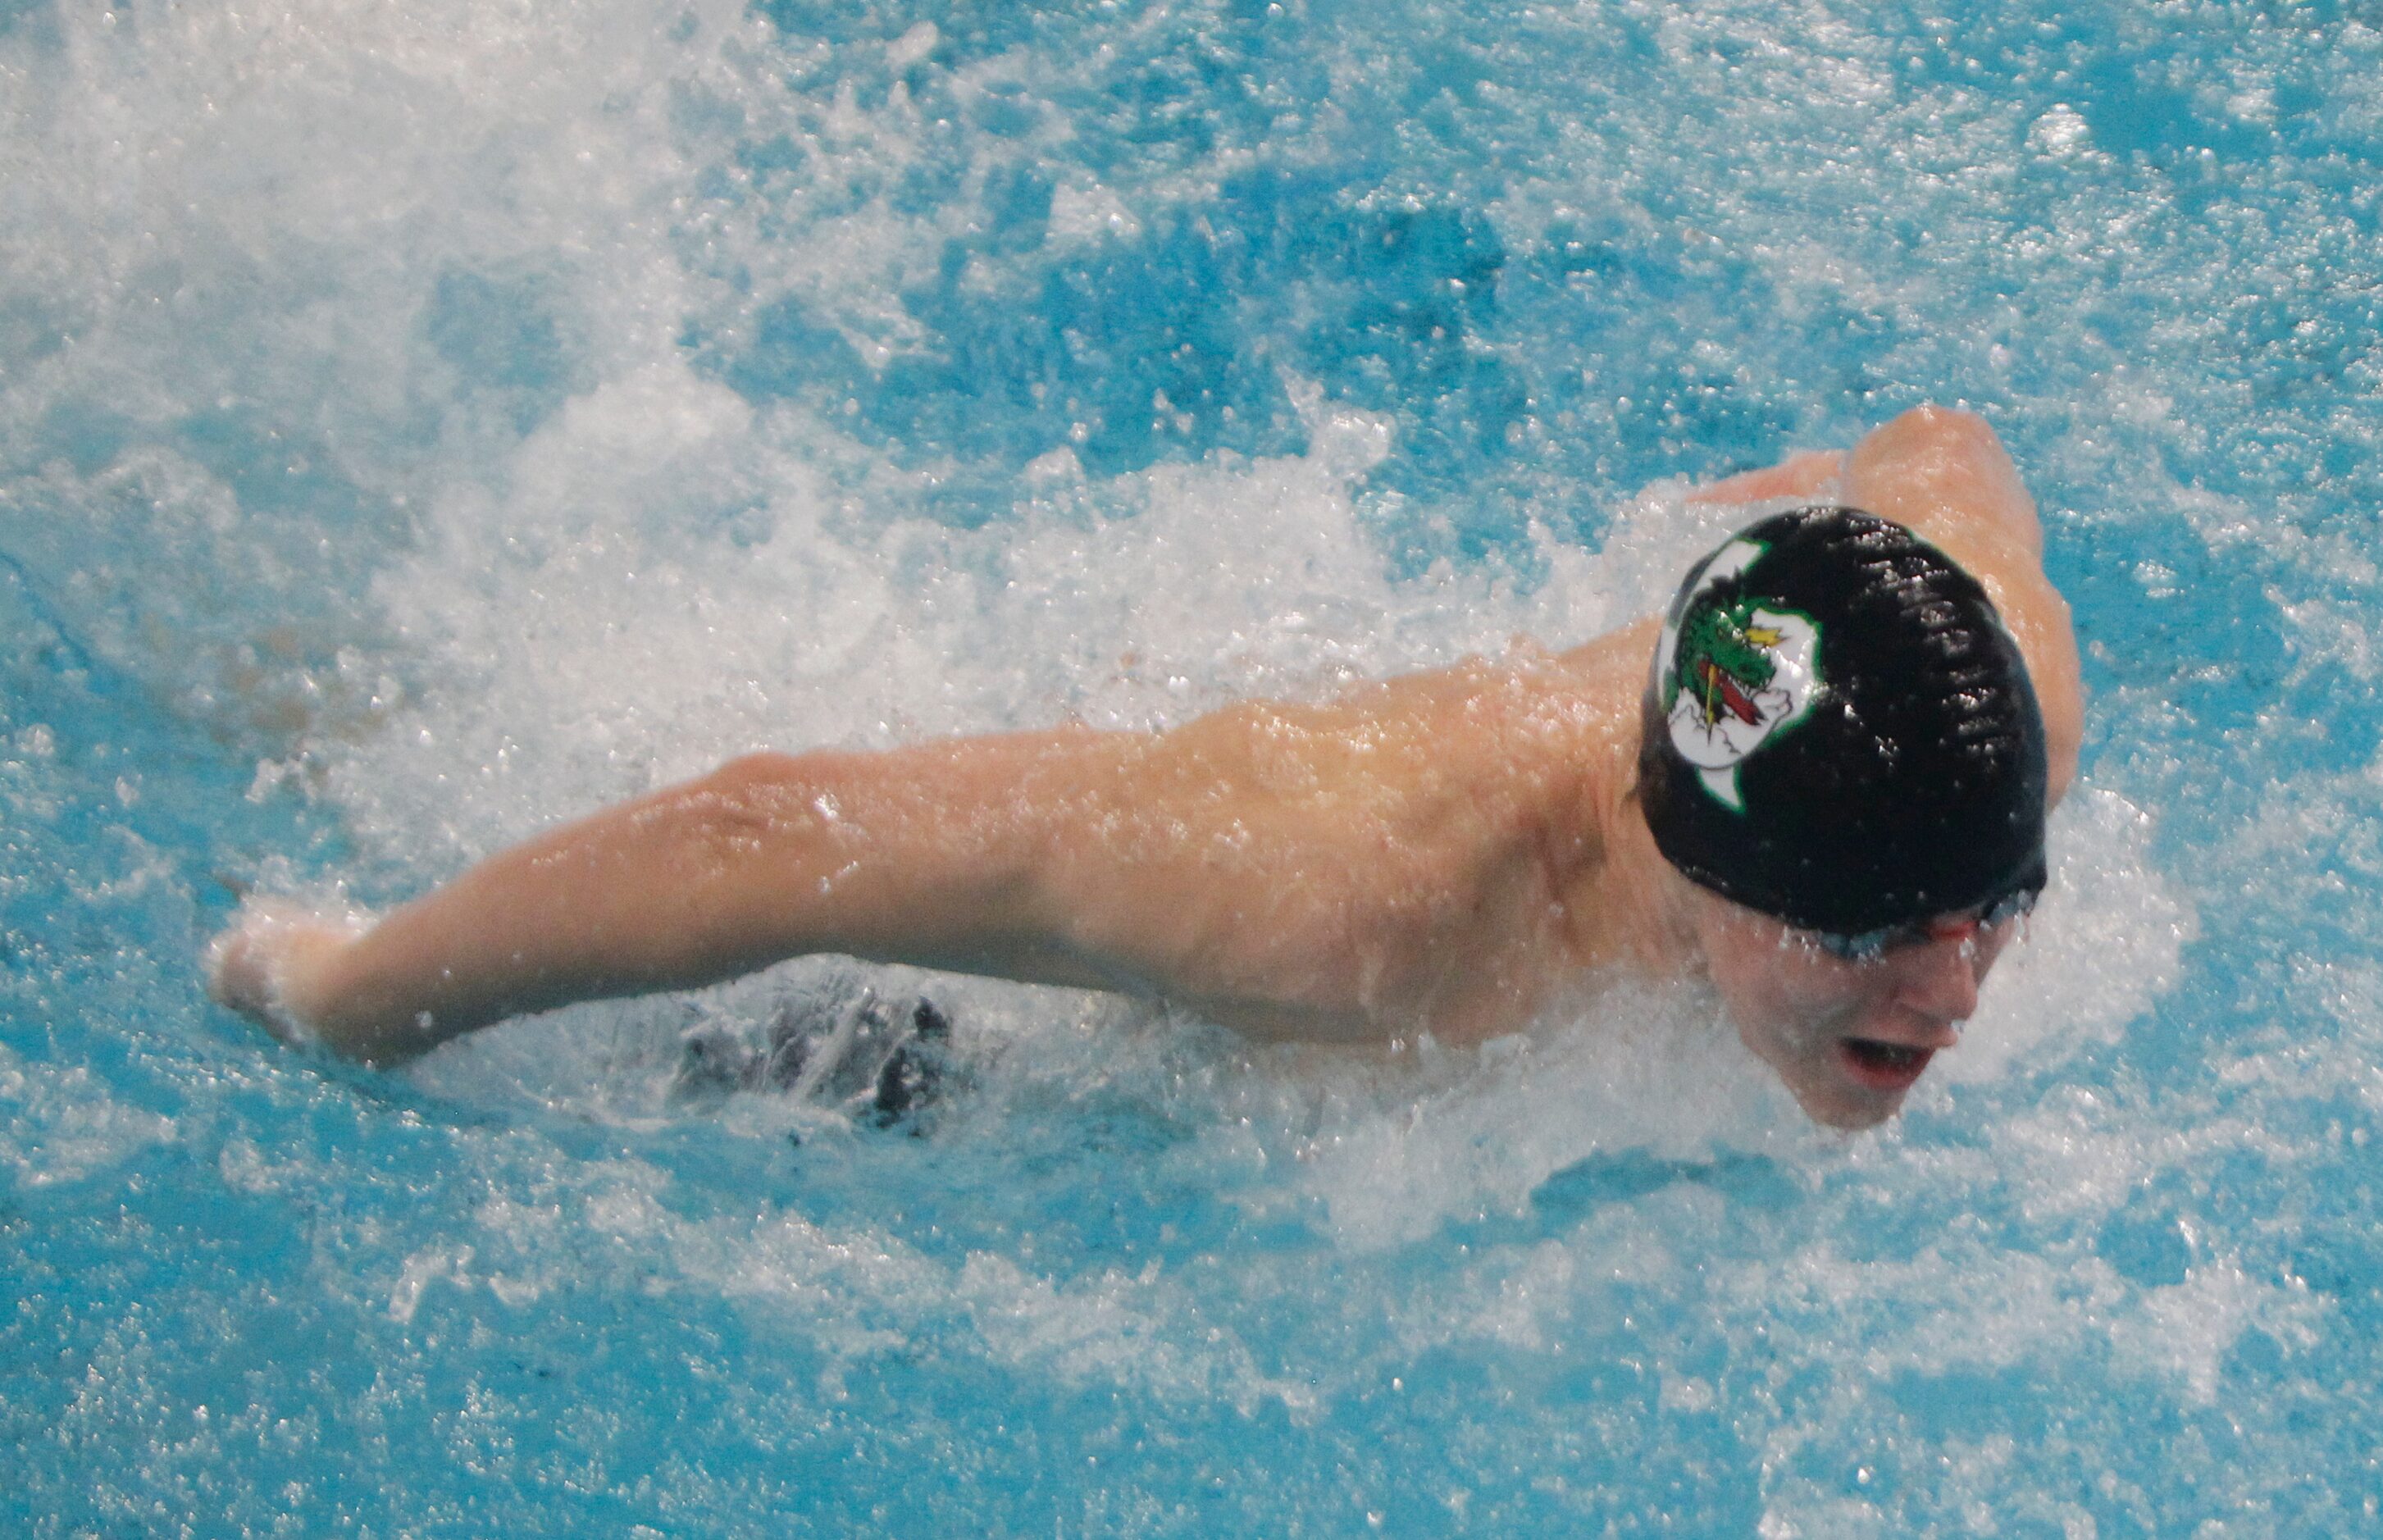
[(1839, 733)]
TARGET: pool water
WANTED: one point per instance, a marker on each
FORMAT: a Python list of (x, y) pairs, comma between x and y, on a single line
[(421, 422)]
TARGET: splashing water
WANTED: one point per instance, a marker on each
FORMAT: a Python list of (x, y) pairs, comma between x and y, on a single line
[(421, 423)]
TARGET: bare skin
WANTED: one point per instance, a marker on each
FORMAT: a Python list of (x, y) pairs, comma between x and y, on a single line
[(1441, 853)]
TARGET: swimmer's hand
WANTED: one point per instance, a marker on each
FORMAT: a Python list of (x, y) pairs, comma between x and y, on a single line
[(268, 966)]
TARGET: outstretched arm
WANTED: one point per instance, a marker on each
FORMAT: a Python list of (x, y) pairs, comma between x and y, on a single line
[(926, 855), (1347, 871)]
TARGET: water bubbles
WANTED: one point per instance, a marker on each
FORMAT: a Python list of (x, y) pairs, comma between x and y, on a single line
[(2060, 130), (439, 420)]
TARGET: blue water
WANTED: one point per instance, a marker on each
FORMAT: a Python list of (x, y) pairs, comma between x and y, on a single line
[(422, 421)]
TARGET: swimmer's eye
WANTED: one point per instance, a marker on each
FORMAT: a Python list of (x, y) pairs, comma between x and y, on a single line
[(1871, 945), (2008, 908)]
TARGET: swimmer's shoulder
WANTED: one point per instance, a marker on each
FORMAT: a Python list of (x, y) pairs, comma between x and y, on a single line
[(1531, 707), (1529, 749)]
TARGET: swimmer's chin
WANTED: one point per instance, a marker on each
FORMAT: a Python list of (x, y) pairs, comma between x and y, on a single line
[(1849, 1109), (1849, 1119)]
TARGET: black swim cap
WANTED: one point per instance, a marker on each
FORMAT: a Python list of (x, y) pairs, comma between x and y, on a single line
[(1839, 733)]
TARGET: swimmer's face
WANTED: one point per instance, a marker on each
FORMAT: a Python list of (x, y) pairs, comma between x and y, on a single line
[(1850, 1039)]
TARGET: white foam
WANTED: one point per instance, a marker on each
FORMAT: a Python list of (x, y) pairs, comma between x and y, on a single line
[(2104, 943), (2059, 131), (2184, 1330), (1089, 211), (1468, 1134), (855, 1291), (242, 217), (591, 647), (58, 1125)]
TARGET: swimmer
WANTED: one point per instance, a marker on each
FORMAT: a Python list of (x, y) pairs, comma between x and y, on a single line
[(1825, 800)]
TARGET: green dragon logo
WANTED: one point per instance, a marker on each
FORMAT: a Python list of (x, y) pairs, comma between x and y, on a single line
[(1734, 668)]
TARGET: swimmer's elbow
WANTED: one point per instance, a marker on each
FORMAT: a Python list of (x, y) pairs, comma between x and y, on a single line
[(752, 793), (754, 813), (932, 851), (2064, 733), (2040, 622), (761, 769)]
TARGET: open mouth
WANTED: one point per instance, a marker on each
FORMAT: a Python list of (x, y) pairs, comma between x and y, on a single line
[(1884, 1065)]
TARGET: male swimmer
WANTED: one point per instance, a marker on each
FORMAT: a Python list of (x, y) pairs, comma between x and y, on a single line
[(1825, 798)]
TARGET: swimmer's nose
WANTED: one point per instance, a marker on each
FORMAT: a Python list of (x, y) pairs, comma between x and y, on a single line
[(1940, 976)]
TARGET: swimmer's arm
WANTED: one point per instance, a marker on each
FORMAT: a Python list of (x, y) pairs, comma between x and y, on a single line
[(1944, 474), (1289, 869), (926, 855)]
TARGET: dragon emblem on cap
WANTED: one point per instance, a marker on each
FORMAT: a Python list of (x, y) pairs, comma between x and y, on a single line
[(1733, 671)]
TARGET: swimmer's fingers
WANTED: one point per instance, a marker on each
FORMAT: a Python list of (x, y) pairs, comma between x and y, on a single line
[(1813, 473)]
